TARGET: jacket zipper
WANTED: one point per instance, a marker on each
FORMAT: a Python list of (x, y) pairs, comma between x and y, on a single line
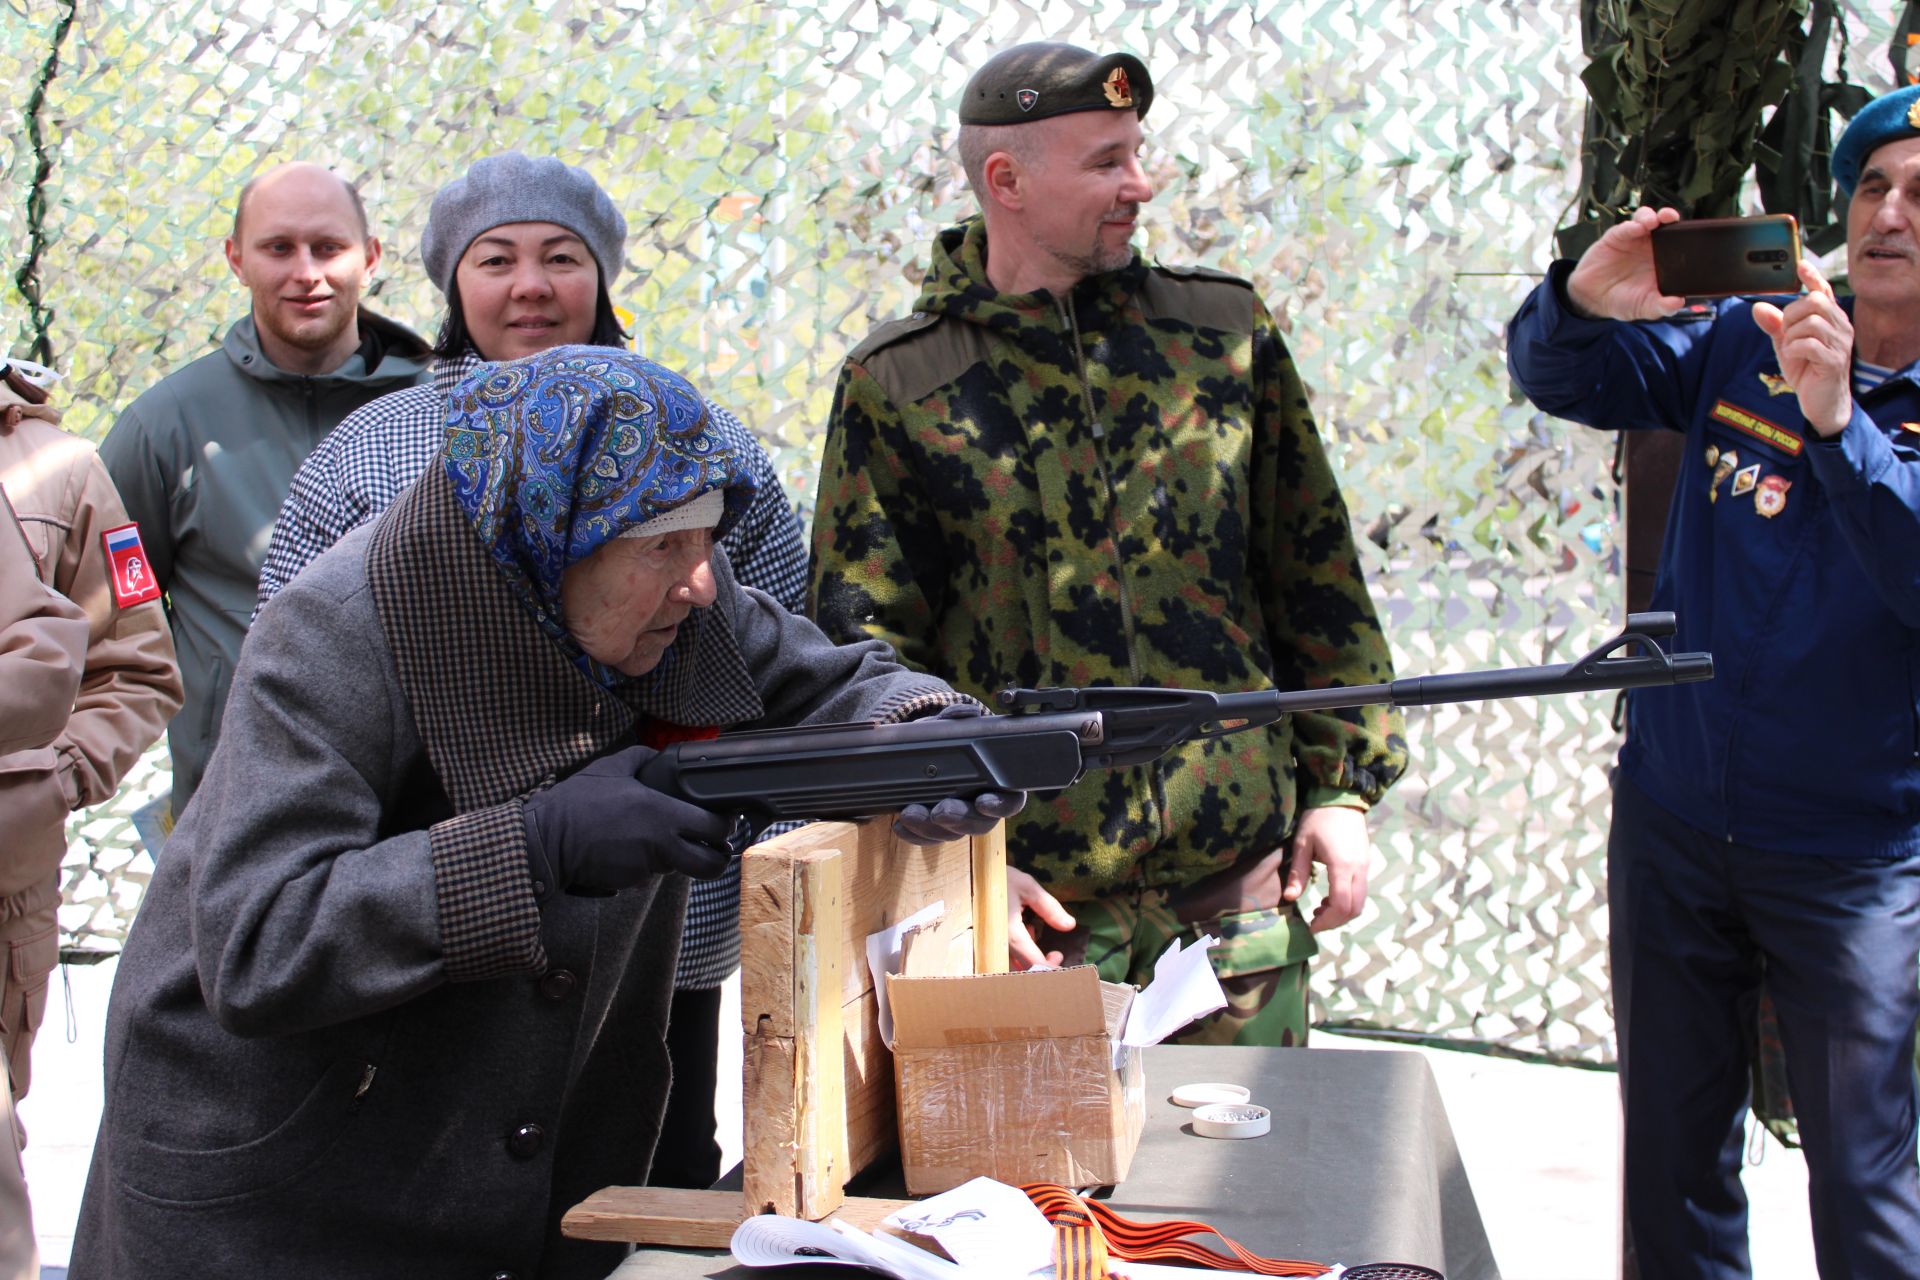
[(1067, 312)]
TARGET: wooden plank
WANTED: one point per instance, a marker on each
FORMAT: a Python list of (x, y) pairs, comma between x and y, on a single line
[(889, 880), (766, 938), (820, 1119), (989, 873), (657, 1215), (689, 1219), (768, 1136), (872, 1130)]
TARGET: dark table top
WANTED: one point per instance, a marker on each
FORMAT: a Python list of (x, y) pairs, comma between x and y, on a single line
[(1360, 1166)]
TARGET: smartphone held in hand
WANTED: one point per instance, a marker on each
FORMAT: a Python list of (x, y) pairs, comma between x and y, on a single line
[(1723, 257)]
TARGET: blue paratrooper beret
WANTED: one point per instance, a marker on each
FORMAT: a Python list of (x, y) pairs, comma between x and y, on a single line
[(1888, 118)]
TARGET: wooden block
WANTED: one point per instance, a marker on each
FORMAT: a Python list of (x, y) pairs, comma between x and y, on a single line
[(818, 1096), (989, 854), (768, 1134), (889, 880), (689, 1219), (867, 1072), (820, 1118), (794, 1108), (657, 1215)]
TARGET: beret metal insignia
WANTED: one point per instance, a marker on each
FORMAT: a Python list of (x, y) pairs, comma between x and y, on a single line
[(1026, 98), (1118, 89), (1913, 115)]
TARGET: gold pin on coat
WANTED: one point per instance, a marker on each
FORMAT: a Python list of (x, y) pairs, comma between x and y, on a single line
[(1776, 385), (1745, 479)]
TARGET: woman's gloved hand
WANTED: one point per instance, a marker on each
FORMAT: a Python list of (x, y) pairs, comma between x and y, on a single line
[(601, 829), (957, 818)]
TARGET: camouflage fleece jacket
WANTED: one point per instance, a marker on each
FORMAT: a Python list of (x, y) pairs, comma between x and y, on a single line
[(1124, 486)]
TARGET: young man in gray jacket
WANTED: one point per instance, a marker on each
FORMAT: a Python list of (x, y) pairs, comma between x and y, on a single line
[(203, 459)]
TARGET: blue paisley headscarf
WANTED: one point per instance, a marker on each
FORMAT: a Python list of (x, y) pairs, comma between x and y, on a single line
[(553, 456)]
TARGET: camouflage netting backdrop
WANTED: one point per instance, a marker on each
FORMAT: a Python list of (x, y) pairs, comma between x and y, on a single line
[(1389, 172)]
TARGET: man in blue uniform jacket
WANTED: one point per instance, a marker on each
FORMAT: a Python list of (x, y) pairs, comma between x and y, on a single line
[(1766, 824)]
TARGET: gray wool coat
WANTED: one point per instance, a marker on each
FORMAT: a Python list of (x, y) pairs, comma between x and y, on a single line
[(343, 1040)]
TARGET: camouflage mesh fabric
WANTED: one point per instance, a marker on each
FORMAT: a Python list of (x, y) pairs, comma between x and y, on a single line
[(1388, 176)]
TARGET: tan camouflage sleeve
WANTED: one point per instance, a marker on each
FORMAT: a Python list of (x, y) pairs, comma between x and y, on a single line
[(1320, 617)]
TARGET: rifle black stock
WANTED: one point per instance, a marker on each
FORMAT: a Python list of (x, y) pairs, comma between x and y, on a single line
[(1051, 736)]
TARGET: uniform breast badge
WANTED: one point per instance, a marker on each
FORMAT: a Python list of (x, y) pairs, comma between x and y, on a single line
[(1745, 479), (1713, 455), (1776, 385), (1724, 468), (1770, 499)]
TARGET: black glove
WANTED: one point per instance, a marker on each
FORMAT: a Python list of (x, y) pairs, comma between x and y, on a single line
[(956, 818), (600, 829)]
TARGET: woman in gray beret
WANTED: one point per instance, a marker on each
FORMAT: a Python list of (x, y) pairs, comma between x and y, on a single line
[(525, 249), (397, 996)]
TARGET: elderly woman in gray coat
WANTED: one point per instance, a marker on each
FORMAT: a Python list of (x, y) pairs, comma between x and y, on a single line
[(395, 999)]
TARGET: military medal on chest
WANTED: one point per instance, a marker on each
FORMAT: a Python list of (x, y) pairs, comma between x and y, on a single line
[(1745, 478), (1721, 470), (1770, 499)]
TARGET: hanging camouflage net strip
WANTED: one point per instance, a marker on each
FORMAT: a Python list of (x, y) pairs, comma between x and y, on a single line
[(1389, 174)]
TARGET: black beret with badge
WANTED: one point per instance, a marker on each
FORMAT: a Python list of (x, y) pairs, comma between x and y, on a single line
[(1035, 81)]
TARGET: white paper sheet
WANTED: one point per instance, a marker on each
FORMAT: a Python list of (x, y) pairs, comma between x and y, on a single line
[(983, 1225), (1183, 988), (769, 1240), (883, 958)]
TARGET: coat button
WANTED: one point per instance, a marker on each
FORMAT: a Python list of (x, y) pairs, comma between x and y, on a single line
[(557, 984), (524, 1143)]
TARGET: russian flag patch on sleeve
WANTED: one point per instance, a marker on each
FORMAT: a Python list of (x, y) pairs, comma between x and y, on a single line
[(133, 581)]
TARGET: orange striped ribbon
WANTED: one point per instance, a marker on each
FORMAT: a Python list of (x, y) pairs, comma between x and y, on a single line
[(1087, 1233), (1079, 1250)]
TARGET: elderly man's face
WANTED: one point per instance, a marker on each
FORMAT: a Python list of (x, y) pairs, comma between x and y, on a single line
[(624, 603), (1085, 190), (1883, 229)]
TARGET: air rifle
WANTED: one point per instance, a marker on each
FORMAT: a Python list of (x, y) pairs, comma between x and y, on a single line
[(1051, 736)]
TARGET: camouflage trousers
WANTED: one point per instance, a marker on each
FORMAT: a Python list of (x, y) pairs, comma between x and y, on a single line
[(1261, 958)]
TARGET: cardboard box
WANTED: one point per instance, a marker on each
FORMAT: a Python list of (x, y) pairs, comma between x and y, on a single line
[(1017, 1077)]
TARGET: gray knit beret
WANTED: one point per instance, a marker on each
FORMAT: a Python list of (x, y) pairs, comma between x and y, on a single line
[(517, 188)]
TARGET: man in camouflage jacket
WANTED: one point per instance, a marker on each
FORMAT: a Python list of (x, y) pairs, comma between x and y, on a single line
[(1068, 467)]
